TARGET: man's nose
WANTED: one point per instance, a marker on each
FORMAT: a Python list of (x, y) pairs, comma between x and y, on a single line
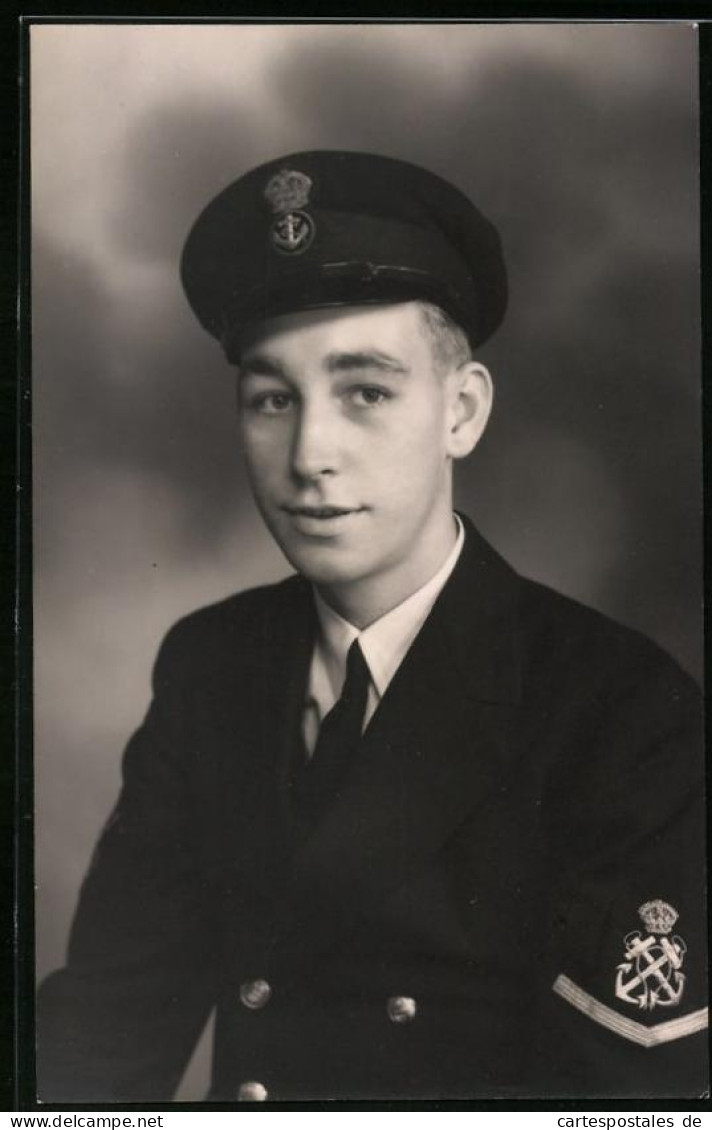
[(315, 442)]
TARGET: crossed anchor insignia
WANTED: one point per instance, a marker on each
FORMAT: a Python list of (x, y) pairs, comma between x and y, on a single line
[(650, 974)]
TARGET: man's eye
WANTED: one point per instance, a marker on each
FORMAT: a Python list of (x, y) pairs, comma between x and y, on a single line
[(369, 395), (271, 403)]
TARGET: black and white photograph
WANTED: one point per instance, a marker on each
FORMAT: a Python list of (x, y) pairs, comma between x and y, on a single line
[(367, 551)]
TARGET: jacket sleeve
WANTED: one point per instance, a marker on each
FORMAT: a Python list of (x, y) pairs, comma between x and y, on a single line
[(626, 996), (119, 1022)]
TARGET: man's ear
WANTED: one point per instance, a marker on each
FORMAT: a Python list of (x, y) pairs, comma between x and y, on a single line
[(470, 393)]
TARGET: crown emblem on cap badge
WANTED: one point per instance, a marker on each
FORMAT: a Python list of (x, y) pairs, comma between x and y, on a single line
[(293, 229), (288, 189)]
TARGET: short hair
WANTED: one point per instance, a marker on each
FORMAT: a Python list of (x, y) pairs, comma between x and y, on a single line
[(448, 342)]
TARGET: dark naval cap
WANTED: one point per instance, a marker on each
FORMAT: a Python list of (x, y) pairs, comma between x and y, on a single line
[(329, 228)]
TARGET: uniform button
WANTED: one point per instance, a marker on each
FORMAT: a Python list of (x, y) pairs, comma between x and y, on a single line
[(251, 1092), (255, 994), (401, 1009)]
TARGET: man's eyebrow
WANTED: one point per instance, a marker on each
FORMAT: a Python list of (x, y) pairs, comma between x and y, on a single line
[(363, 359), (260, 365)]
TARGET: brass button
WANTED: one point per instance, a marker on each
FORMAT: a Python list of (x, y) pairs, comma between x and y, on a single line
[(251, 1092), (401, 1009), (255, 994)]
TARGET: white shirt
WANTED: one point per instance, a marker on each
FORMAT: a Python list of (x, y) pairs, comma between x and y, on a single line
[(384, 644)]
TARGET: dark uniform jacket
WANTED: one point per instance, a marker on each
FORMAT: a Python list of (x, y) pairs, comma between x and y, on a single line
[(465, 921)]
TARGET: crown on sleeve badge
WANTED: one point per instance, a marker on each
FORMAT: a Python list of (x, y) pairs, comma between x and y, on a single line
[(287, 193), (651, 973)]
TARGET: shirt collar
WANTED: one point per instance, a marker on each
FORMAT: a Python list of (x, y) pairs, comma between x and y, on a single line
[(384, 643)]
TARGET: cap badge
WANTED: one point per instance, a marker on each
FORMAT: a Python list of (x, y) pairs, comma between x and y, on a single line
[(650, 974), (288, 192)]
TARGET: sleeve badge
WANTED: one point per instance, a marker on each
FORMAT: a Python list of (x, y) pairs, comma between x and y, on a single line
[(650, 975)]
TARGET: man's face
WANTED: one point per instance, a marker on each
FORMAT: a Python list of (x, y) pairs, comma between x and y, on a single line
[(346, 428)]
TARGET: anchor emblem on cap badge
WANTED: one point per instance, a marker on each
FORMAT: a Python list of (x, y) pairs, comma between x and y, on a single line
[(287, 193)]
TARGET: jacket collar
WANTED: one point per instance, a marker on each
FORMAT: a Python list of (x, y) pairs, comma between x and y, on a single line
[(477, 614)]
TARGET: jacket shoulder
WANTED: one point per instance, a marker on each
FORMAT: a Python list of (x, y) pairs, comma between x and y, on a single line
[(232, 625), (619, 720), (575, 641), (241, 607)]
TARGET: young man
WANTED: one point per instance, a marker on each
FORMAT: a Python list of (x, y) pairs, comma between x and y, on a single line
[(415, 826)]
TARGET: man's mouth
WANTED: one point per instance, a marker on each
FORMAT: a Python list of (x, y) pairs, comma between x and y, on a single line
[(322, 512)]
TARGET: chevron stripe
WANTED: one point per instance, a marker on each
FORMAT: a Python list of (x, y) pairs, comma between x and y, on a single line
[(647, 1037)]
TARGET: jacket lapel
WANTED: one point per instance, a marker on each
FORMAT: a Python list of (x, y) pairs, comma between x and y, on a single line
[(435, 750)]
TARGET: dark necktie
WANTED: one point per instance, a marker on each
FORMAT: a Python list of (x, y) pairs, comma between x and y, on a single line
[(317, 785)]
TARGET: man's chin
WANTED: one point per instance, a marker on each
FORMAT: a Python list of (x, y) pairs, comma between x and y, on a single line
[(323, 563)]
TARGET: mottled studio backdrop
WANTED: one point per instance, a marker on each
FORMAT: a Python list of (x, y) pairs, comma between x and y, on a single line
[(579, 141)]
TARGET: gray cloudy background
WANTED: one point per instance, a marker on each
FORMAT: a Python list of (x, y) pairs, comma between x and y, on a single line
[(579, 141)]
